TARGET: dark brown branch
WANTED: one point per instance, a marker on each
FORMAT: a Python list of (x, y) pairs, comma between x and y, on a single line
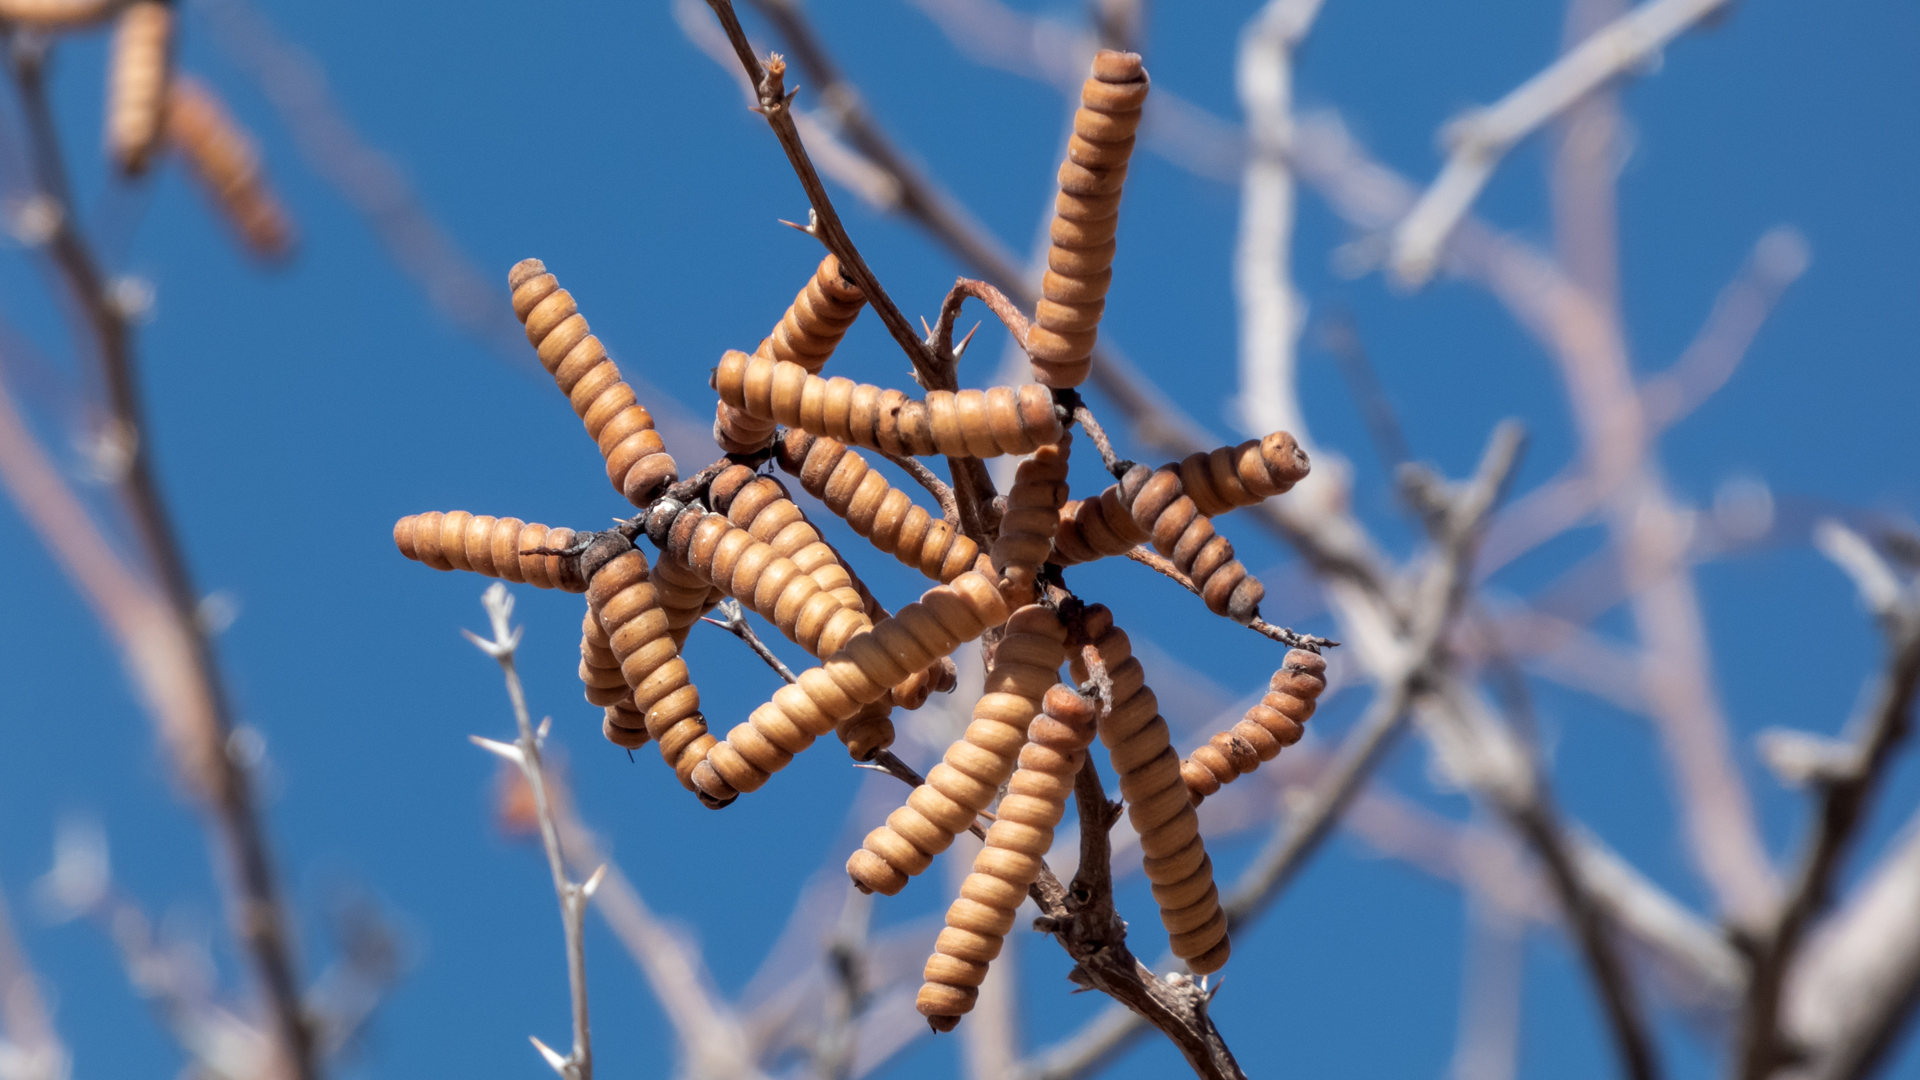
[(938, 488), (257, 913), (1293, 639), (1003, 309)]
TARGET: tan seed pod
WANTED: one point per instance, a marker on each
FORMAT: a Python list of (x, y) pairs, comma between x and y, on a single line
[(868, 731), (1086, 215), (137, 76), (978, 922), (806, 335), (881, 513), (606, 686), (57, 14), (222, 157), (637, 460), (501, 548), (1025, 665), (944, 618), (1274, 723), (762, 506), (965, 423), (622, 598), (1032, 516), (1174, 856)]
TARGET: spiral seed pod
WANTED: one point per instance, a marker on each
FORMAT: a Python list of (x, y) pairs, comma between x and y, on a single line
[(978, 922), (637, 459), (868, 731), (1274, 723), (966, 423), (600, 671), (1025, 665), (57, 14), (497, 547), (913, 692), (858, 674), (1086, 215), (222, 156), (806, 335), (1175, 858), (137, 78), (883, 514), (664, 696), (684, 596), (762, 506), (1033, 515)]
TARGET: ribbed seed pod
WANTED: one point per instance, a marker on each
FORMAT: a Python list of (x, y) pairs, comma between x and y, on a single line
[(868, 731), (1274, 723), (762, 506), (940, 678), (57, 14), (945, 617), (1175, 858), (1025, 665), (221, 154), (683, 595), (966, 423), (600, 671), (637, 459), (806, 335), (137, 78), (978, 922), (497, 547), (885, 515), (1086, 215), (664, 696), (1033, 515)]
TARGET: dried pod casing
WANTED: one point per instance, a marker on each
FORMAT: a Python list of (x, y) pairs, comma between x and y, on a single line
[(223, 158), (137, 76), (762, 506), (57, 14), (1031, 519), (806, 335), (1267, 727), (884, 515), (606, 686), (622, 598), (504, 548)]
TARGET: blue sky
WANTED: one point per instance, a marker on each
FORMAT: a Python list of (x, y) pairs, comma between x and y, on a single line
[(296, 414)]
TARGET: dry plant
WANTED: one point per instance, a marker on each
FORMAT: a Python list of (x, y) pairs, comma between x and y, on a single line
[(1799, 980)]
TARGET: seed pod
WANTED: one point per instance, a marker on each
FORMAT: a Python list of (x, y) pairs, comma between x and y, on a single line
[(1174, 856), (623, 600), (966, 423), (684, 596), (497, 547), (940, 678), (945, 617), (1026, 663), (600, 671), (806, 335), (1268, 726), (637, 459), (223, 158), (1033, 514), (978, 922), (57, 14), (1086, 215), (883, 514), (868, 731), (762, 506), (137, 78)]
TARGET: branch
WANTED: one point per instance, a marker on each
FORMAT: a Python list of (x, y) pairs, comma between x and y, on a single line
[(938, 488), (31, 1049), (733, 619)]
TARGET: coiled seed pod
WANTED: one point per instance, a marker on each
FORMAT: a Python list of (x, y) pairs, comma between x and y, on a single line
[(762, 506), (664, 696), (637, 459), (684, 595), (940, 678), (1174, 856), (883, 514), (940, 621), (223, 157), (600, 671), (1033, 515), (497, 547), (806, 335), (1086, 215), (966, 423), (1268, 726), (978, 922), (57, 14), (868, 731), (137, 84), (1026, 663)]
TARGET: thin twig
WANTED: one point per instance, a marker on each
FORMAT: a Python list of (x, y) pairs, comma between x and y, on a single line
[(1003, 309), (31, 1049), (938, 488), (733, 619), (1293, 639)]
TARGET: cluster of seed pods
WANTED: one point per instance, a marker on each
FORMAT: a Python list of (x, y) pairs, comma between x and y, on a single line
[(733, 531)]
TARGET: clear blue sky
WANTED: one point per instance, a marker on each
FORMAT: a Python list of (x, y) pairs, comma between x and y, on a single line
[(296, 414)]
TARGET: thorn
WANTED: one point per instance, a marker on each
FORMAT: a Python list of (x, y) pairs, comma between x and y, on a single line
[(630, 755), (555, 1061), (540, 733), (505, 750), (928, 330), (593, 883), (960, 349)]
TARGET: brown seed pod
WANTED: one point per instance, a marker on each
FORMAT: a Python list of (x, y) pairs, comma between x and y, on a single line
[(966, 423), (137, 78), (806, 335), (222, 157), (497, 547), (868, 731), (978, 922), (1175, 858), (1025, 665), (1032, 516), (683, 595), (57, 14), (1274, 723), (600, 671), (1086, 215), (623, 600), (637, 459), (885, 515), (762, 506), (858, 674)]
